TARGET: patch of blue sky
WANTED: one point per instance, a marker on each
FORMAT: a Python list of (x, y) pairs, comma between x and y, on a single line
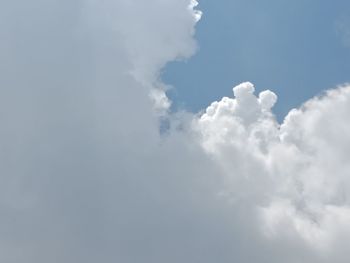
[(295, 48)]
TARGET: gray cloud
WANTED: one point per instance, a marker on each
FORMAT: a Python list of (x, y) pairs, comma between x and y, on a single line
[(78, 129)]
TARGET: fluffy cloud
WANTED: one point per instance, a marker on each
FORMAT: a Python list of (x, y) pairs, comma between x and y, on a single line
[(86, 176), (295, 175)]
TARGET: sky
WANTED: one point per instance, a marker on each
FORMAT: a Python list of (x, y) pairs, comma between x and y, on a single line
[(296, 48), (90, 173)]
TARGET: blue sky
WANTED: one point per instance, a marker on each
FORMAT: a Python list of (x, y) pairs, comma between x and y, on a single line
[(295, 48)]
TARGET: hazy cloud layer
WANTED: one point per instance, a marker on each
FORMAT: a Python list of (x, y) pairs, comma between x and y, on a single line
[(86, 176)]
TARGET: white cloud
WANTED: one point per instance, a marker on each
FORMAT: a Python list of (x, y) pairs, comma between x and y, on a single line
[(295, 174), (86, 176)]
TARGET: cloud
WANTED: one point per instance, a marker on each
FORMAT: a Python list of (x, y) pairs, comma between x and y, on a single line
[(342, 28), (86, 176), (82, 173), (294, 174)]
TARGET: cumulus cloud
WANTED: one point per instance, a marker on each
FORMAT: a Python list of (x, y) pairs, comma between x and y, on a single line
[(86, 176), (294, 174)]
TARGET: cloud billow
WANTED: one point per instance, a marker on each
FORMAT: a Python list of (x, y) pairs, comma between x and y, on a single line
[(86, 176)]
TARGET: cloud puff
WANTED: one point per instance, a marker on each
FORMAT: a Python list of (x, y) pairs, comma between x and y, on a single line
[(86, 176), (295, 173)]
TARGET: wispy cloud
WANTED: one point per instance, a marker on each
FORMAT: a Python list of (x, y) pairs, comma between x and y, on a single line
[(342, 27)]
